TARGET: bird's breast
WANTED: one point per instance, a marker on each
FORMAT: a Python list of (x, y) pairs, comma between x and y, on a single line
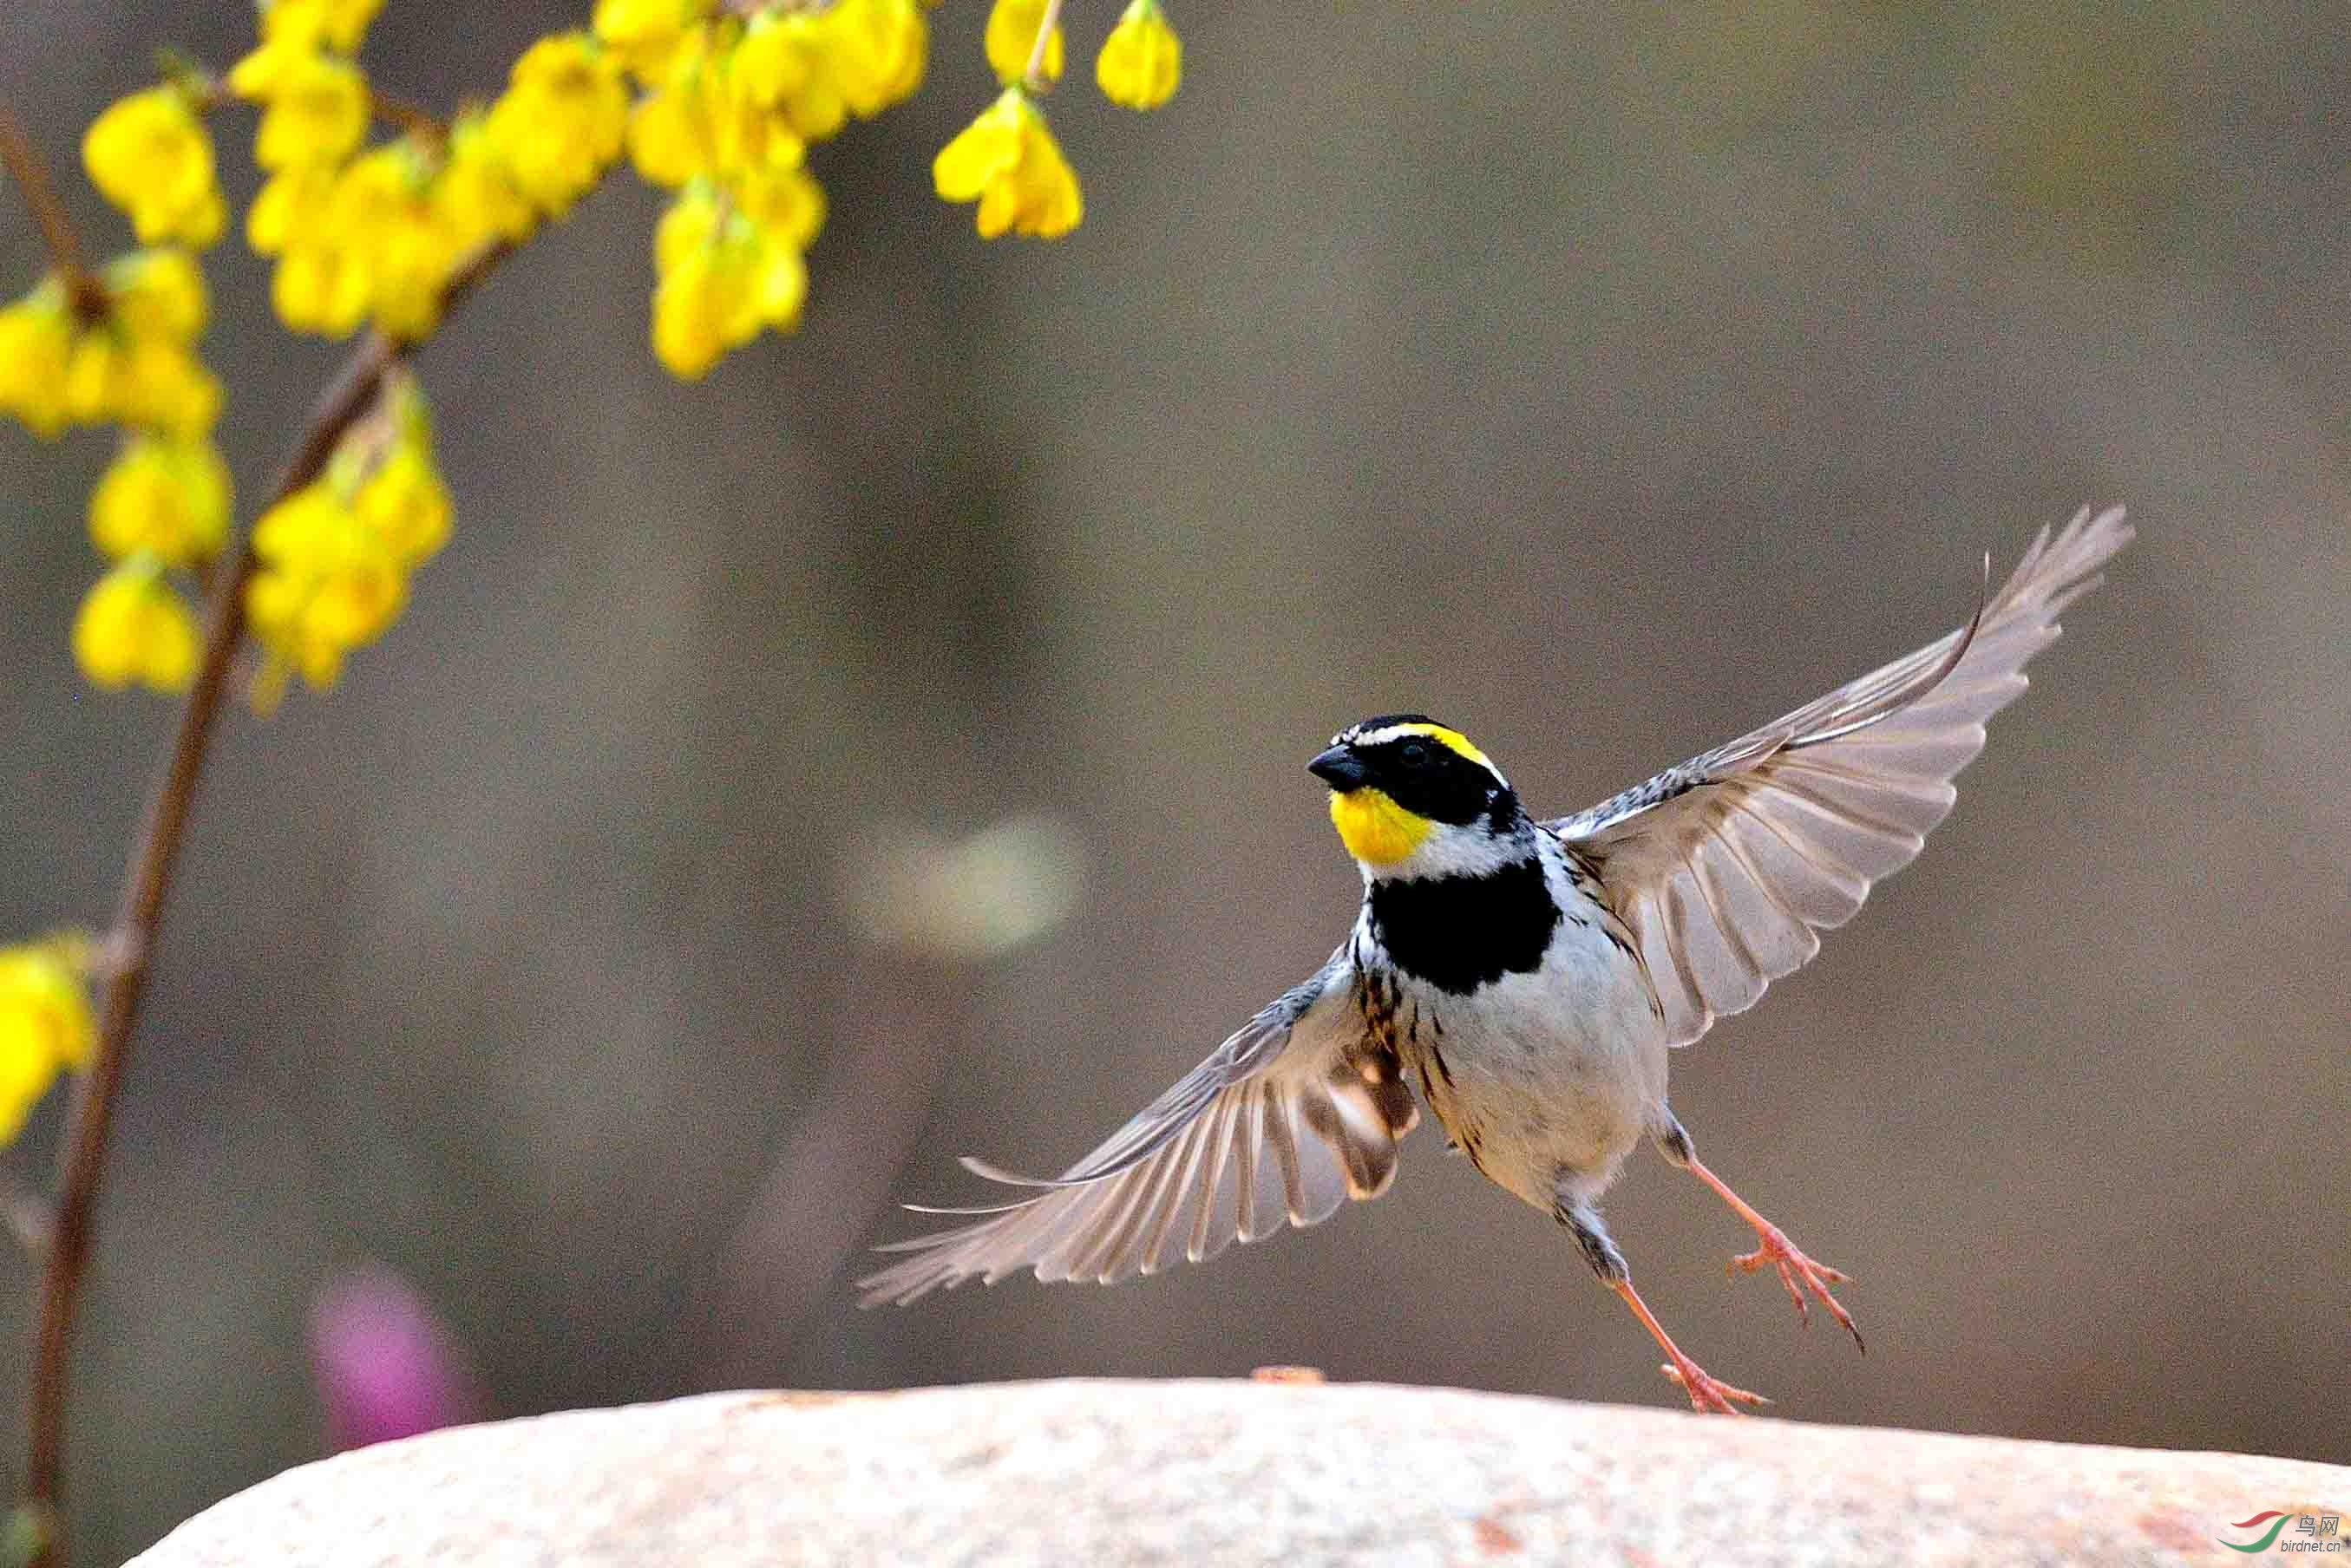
[(1457, 934), (1535, 1060)]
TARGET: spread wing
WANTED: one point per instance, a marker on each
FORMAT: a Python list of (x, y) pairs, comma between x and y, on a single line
[(1728, 866), (1294, 1113)]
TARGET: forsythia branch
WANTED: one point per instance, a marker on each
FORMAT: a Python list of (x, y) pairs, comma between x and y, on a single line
[(146, 884), (716, 100), (414, 118), (24, 166)]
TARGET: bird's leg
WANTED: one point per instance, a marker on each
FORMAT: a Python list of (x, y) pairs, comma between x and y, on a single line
[(1708, 1394), (1776, 1251)]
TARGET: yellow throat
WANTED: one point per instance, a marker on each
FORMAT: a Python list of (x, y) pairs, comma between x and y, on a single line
[(1375, 828)]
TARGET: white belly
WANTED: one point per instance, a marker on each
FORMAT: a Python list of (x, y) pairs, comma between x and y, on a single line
[(1549, 1078)]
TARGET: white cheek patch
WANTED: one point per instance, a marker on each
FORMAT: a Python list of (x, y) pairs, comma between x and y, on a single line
[(1450, 851)]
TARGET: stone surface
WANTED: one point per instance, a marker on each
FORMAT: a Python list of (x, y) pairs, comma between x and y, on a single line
[(1288, 1472)]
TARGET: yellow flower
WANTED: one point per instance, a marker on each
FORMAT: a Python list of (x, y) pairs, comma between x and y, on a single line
[(337, 25), (702, 307), (46, 1024), (816, 68), (135, 365), (328, 583), (785, 64), (133, 626), (722, 278), (320, 288), (160, 385), (787, 204), (475, 191), (146, 382), (150, 156), (407, 505), (322, 283), (24, 1074), (165, 496), (1142, 59), (670, 137), (291, 208), (646, 34), (386, 220), (170, 390), (879, 50), (561, 120), (691, 223), (317, 105), (1012, 38), (1008, 160), (41, 986), (755, 143), (375, 192), (36, 343), (383, 235), (412, 276), (336, 556), (674, 131), (157, 293), (778, 284)]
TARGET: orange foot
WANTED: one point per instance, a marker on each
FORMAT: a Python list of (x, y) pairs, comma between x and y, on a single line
[(1708, 1395), (1781, 1253), (1778, 1252)]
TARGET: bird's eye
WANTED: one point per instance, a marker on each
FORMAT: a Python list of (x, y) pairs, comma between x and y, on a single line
[(1415, 750)]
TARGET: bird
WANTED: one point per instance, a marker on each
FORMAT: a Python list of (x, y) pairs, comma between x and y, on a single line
[(1532, 976)]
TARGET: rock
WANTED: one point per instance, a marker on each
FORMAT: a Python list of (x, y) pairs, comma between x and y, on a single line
[(1288, 1472)]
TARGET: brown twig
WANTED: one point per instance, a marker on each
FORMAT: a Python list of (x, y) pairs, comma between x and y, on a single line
[(414, 118), (81, 1161), (24, 166)]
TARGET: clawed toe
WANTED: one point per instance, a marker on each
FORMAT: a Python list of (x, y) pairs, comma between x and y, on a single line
[(1797, 1271), (1709, 1394), (1800, 1274)]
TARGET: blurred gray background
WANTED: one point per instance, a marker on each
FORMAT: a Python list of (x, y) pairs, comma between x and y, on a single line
[(1603, 379)]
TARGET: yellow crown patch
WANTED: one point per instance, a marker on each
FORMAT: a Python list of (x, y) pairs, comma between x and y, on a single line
[(1453, 741)]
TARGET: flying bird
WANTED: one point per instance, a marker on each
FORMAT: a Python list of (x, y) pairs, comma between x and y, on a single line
[(1532, 975)]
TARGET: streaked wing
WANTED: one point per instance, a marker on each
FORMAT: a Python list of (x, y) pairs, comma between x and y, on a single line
[(1728, 866), (1293, 1114)]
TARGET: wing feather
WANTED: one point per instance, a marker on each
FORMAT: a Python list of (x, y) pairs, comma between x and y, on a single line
[(1211, 1233), (1291, 1116), (1728, 866), (1176, 1192)]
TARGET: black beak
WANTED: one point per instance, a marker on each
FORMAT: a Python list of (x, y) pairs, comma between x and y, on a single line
[(1340, 768)]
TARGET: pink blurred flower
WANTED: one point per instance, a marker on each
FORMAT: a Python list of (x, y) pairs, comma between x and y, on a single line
[(386, 1366)]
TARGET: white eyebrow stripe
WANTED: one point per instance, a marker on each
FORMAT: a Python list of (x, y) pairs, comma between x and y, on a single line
[(1431, 731)]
